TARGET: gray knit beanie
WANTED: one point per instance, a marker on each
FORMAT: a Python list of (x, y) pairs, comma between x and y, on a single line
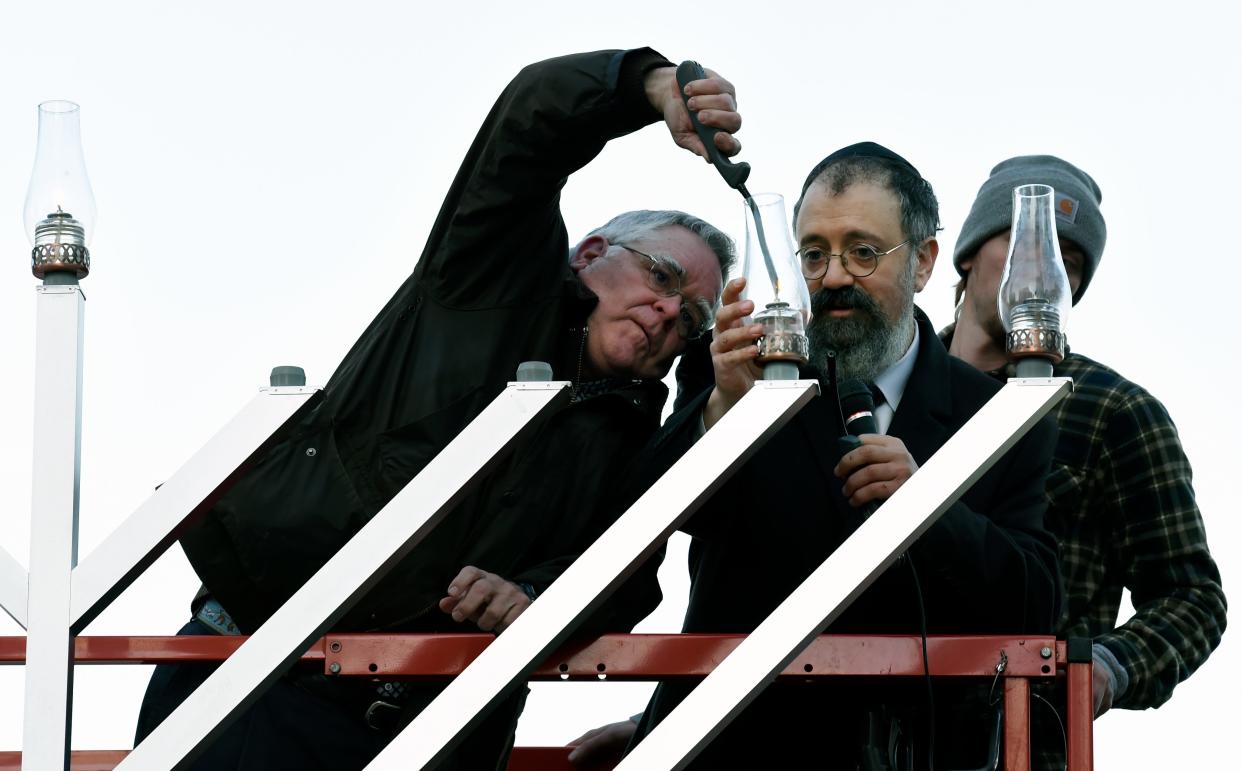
[(1077, 204)]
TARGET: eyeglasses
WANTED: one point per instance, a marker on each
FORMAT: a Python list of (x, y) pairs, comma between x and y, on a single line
[(859, 260), (695, 317)]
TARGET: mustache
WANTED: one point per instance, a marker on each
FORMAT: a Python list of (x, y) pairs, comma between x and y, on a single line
[(840, 299)]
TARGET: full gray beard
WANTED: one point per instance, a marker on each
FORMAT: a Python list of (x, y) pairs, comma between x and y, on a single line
[(864, 348), (866, 343)]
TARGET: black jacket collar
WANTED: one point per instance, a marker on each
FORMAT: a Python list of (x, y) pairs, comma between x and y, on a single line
[(921, 421)]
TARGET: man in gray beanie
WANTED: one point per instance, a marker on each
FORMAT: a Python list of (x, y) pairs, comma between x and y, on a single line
[(1121, 502), (1077, 211)]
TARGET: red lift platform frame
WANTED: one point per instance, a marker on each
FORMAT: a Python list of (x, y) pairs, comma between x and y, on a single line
[(649, 657)]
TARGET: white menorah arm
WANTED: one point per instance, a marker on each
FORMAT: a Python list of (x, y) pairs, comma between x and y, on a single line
[(194, 488), (614, 556), (13, 588), (847, 572), (390, 535)]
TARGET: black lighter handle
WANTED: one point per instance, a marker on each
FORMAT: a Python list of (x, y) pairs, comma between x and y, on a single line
[(734, 174)]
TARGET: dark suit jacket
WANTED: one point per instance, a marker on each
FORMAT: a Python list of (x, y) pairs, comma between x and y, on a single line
[(987, 565)]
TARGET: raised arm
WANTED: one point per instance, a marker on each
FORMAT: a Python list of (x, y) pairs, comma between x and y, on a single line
[(551, 120)]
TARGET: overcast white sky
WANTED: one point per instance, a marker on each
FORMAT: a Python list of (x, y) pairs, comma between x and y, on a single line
[(266, 174)]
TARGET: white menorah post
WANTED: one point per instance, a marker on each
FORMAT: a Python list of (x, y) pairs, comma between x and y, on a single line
[(59, 597), (54, 526)]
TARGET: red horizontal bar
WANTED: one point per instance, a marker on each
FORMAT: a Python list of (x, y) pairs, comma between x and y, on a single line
[(653, 656), (617, 657), (145, 650), (522, 759), (548, 759), (87, 760)]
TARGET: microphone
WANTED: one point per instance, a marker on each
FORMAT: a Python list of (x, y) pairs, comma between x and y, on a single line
[(858, 417), (857, 407)]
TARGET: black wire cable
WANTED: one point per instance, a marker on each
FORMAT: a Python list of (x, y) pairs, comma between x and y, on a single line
[(931, 698), (1060, 724)]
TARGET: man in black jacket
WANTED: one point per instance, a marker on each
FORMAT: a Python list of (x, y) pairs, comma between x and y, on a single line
[(498, 284), (865, 228)]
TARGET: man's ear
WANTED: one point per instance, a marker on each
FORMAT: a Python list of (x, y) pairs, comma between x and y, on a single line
[(926, 261), (588, 251)]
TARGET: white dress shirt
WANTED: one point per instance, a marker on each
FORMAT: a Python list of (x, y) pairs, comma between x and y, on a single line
[(892, 383)]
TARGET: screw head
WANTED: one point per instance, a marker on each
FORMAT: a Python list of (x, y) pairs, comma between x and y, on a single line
[(1046, 652), (310, 452), (335, 647), (334, 668)]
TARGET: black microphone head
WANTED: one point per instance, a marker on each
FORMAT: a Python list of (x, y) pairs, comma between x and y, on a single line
[(857, 407)]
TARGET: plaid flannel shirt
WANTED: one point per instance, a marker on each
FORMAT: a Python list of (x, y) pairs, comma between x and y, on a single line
[(1123, 510), (1122, 505)]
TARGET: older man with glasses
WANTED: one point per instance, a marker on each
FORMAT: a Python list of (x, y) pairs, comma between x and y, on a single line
[(498, 284)]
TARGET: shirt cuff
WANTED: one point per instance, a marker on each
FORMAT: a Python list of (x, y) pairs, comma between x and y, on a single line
[(1117, 675), (630, 80)]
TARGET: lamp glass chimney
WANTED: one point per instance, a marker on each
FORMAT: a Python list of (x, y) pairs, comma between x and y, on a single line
[(774, 281), (1034, 291), (59, 184)]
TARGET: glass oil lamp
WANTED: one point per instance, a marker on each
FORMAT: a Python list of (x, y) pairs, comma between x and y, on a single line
[(775, 285), (1034, 297), (59, 215)]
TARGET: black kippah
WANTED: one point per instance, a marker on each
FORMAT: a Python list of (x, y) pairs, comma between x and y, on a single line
[(859, 150)]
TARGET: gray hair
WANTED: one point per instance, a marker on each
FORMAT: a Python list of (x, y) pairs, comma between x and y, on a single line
[(634, 225), (920, 213)]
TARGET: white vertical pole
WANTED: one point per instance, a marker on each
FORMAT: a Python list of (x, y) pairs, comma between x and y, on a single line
[(54, 529)]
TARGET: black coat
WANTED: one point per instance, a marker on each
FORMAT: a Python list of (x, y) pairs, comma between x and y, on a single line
[(492, 289), (986, 566)]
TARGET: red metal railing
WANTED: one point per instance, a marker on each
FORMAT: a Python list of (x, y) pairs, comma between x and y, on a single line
[(649, 657)]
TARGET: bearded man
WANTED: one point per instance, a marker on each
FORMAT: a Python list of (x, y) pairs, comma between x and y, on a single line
[(865, 227)]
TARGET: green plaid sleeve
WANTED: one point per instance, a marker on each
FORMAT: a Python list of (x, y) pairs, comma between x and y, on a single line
[(1162, 550)]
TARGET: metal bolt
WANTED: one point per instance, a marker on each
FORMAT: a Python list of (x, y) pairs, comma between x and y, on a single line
[(1046, 652), (335, 647), (334, 668), (310, 452)]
